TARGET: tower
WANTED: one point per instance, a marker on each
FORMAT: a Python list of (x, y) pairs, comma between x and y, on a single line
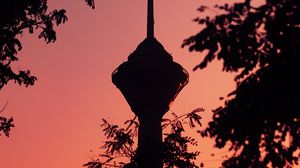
[(150, 81)]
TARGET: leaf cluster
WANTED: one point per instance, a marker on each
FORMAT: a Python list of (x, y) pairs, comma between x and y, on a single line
[(5, 124), (120, 143), (16, 17), (176, 153), (90, 3), (261, 118)]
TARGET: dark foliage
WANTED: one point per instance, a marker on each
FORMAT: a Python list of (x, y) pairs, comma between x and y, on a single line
[(261, 117), (17, 17), (5, 124), (176, 152), (90, 3), (120, 143)]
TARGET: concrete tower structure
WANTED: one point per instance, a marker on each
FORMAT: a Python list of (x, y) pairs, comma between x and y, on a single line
[(150, 80)]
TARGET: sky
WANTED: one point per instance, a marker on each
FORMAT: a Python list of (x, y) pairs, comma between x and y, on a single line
[(58, 119)]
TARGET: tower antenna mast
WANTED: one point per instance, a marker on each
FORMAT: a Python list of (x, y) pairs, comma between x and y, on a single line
[(150, 20)]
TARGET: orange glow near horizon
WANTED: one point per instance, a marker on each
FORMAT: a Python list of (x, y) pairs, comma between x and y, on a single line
[(58, 119)]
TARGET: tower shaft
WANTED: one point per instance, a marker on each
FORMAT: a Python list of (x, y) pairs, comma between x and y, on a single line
[(150, 143)]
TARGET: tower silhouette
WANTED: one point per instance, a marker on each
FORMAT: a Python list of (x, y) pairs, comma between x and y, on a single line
[(150, 80)]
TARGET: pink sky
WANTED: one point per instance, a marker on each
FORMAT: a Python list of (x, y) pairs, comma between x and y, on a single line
[(57, 120)]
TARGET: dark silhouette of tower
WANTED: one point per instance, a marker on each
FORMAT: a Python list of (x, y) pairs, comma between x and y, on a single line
[(150, 80)]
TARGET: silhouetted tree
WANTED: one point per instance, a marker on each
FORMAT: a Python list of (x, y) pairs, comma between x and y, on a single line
[(261, 118), (120, 143), (17, 17)]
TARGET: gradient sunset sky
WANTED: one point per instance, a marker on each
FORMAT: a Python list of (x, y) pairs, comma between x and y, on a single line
[(58, 119)]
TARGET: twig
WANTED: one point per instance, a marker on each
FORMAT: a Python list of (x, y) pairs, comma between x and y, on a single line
[(4, 107)]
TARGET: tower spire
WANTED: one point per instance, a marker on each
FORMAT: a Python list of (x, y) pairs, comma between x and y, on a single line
[(150, 20)]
